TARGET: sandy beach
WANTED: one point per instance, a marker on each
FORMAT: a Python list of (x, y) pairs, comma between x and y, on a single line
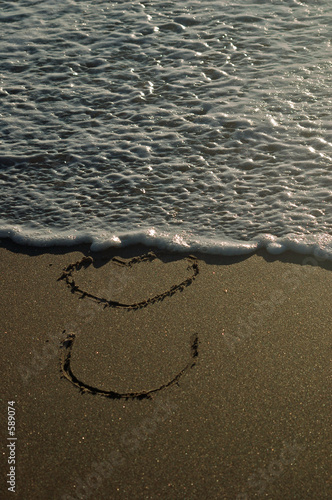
[(137, 374)]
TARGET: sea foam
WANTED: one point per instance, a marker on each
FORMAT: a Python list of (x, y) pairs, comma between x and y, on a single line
[(319, 247), (189, 128)]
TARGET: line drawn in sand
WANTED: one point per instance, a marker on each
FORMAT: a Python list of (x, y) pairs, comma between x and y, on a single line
[(68, 342), (68, 277)]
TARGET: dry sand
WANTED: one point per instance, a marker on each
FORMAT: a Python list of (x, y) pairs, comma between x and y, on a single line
[(216, 388)]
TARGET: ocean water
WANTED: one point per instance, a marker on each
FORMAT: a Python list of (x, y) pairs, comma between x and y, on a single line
[(197, 125)]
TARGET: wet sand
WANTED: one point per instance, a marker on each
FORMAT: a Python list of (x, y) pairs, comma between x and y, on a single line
[(151, 375)]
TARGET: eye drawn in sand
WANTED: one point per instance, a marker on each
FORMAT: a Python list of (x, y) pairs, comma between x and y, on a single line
[(68, 276), (68, 343)]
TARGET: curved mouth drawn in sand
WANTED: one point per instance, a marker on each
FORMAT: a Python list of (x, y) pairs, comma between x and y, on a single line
[(68, 342), (67, 346)]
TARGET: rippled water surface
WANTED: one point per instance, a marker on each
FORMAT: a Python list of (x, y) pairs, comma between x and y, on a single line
[(189, 124)]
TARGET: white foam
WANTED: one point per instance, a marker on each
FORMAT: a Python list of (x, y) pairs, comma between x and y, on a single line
[(319, 246), (181, 152)]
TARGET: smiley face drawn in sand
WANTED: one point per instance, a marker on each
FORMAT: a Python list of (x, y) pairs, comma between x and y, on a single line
[(67, 344)]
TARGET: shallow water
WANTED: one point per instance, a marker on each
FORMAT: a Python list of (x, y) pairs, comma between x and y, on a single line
[(204, 125)]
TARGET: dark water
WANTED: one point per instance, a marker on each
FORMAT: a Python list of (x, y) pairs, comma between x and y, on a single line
[(193, 125)]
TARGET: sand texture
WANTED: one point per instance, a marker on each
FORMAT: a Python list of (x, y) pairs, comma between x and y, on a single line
[(138, 374)]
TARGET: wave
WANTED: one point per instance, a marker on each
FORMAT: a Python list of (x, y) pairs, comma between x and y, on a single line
[(318, 245)]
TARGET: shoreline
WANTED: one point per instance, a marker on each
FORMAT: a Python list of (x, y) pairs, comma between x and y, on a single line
[(248, 417), (320, 248)]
